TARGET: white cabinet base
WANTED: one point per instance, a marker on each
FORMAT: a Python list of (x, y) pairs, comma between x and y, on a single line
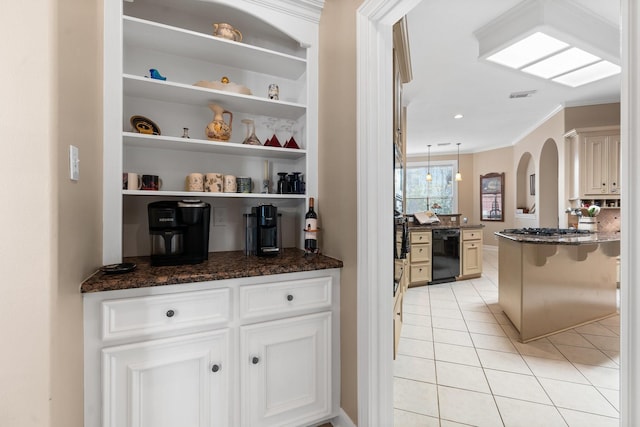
[(169, 382), (285, 371)]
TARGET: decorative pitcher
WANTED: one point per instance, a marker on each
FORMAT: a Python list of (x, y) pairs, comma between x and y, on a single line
[(226, 31), (218, 129)]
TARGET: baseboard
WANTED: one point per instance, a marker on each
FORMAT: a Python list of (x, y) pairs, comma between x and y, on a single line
[(342, 420)]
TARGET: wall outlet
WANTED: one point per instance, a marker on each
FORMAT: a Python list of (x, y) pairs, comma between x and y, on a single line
[(219, 216), (74, 163)]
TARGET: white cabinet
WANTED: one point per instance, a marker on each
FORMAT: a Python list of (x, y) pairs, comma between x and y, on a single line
[(181, 381), (420, 257), (602, 160), (471, 253), (594, 163), (279, 46), (210, 362), (285, 370)]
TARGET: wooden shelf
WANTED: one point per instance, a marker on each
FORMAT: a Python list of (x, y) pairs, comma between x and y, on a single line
[(132, 139), (181, 42), (142, 87)]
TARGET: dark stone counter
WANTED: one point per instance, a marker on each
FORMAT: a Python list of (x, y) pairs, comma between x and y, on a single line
[(414, 226), (219, 266), (567, 239)]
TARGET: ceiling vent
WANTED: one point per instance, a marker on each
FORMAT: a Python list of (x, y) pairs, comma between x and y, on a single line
[(523, 94)]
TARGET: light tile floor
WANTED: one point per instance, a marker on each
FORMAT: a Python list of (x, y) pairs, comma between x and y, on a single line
[(459, 364)]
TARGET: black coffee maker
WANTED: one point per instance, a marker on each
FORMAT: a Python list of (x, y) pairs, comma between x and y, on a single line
[(266, 232), (179, 231)]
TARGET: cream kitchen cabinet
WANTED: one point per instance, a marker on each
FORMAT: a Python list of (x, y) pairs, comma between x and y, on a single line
[(420, 257), (594, 162), (471, 253), (177, 40), (261, 351)]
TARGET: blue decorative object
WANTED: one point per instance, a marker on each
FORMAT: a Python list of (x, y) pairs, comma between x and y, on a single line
[(155, 74)]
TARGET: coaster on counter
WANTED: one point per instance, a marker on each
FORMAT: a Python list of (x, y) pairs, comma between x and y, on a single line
[(118, 268)]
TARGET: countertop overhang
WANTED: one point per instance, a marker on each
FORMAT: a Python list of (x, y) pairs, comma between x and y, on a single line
[(566, 239), (219, 266), (413, 225)]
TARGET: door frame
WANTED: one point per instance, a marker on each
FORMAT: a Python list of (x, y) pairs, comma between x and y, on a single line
[(374, 20)]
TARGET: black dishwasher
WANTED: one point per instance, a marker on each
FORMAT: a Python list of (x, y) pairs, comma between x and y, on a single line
[(445, 255)]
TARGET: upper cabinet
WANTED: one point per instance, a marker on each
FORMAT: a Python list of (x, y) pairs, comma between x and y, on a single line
[(595, 162), (173, 64)]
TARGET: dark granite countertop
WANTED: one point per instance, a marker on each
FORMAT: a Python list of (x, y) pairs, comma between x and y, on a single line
[(219, 266), (567, 239), (413, 225)]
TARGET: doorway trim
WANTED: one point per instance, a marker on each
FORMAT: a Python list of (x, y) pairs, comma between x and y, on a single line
[(374, 22)]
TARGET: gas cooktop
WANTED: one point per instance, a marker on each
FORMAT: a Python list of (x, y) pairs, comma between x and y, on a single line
[(545, 231)]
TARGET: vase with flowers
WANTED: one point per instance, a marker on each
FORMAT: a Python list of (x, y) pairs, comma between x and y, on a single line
[(587, 218)]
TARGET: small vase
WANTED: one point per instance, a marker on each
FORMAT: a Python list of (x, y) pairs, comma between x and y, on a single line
[(218, 129), (588, 223), (251, 138)]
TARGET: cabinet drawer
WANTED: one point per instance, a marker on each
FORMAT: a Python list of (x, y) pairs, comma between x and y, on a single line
[(284, 297), (421, 236), (421, 273), (133, 317), (471, 235), (420, 253)]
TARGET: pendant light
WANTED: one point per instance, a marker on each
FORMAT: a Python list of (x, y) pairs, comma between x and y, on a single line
[(429, 178), (458, 174)]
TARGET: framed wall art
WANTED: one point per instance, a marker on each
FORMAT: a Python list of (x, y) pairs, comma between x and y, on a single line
[(492, 197)]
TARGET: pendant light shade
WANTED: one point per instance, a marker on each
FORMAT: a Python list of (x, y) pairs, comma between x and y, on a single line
[(429, 178), (458, 174)]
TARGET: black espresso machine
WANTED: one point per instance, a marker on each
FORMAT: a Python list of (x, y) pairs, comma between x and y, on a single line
[(263, 231), (179, 231)]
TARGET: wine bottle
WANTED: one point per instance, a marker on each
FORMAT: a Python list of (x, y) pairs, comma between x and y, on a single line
[(310, 229)]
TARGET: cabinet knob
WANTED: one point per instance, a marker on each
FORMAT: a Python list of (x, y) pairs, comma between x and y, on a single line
[(215, 368), (255, 360), (289, 297), (170, 313), (420, 238)]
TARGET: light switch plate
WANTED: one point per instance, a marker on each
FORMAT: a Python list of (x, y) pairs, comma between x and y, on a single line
[(74, 163)]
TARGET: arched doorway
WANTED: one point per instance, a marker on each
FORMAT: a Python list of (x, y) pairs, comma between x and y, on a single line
[(548, 185)]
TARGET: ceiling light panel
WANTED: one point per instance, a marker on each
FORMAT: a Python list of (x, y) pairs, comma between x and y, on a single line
[(532, 48), (591, 73), (561, 63)]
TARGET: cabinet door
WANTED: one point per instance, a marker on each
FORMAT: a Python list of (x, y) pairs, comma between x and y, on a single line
[(181, 381), (471, 257), (595, 171), (614, 164), (286, 371)]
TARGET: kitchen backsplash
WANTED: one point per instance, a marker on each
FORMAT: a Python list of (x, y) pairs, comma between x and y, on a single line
[(608, 220)]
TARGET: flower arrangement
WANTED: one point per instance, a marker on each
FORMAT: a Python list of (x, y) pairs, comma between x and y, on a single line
[(593, 210), (589, 211)]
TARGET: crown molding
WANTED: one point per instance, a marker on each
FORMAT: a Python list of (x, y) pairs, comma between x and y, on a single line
[(309, 10)]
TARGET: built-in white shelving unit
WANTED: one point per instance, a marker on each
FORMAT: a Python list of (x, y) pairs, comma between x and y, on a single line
[(177, 40)]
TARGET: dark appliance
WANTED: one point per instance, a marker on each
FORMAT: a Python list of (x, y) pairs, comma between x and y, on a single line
[(400, 248), (179, 231), (267, 241), (445, 255)]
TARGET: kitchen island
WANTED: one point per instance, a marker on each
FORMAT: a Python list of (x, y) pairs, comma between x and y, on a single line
[(551, 283)]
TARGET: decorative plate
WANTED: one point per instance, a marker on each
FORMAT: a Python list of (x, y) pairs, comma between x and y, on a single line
[(144, 125)]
